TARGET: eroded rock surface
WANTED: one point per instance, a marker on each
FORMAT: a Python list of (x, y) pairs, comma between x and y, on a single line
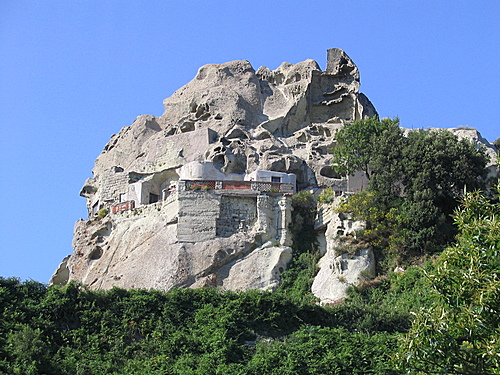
[(256, 136), (343, 264), (200, 196)]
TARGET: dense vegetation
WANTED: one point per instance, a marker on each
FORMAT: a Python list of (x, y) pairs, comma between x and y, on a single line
[(73, 330), (415, 183), (460, 332), (454, 302), (441, 317)]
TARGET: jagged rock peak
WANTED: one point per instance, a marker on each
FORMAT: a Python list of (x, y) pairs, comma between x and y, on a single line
[(339, 63), (225, 95)]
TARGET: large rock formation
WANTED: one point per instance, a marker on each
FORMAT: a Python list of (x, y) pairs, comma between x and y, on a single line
[(201, 195)]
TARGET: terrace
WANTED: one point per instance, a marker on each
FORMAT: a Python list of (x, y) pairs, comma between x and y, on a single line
[(259, 186)]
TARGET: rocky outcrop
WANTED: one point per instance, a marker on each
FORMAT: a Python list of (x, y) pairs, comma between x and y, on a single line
[(344, 262), (151, 226), (278, 120), (200, 196), (175, 243)]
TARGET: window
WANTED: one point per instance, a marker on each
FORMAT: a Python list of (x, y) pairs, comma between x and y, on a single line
[(275, 179)]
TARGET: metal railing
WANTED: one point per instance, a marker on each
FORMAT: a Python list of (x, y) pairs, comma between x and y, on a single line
[(122, 206), (261, 186)]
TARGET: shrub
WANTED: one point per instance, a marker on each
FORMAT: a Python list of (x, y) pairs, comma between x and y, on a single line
[(350, 245), (102, 212), (304, 200), (327, 195), (497, 143)]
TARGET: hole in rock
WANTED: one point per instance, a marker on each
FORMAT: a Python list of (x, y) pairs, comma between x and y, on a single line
[(328, 171), (96, 253)]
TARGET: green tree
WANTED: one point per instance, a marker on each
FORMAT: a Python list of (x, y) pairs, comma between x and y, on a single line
[(28, 350), (359, 145), (460, 333), (497, 143), (416, 182), (437, 166)]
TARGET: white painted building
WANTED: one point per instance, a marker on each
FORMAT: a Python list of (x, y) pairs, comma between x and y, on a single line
[(206, 171), (272, 176)]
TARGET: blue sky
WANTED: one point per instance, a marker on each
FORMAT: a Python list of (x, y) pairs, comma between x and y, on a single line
[(74, 72)]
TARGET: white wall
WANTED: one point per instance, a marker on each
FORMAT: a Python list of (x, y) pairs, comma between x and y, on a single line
[(205, 170), (266, 176)]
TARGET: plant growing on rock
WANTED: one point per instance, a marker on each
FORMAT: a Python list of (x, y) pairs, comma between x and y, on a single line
[(327, 195), (415, 184), (350, 245), (102, 212)]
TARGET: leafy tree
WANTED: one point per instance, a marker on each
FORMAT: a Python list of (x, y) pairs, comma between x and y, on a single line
[(28, 350), (438, 166), (497, 143), (415, 184), (460, 333), (359, 144)]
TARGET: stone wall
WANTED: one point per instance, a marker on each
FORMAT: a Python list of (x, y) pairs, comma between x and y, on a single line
[(198, 211), (237, 215), (115, 182), (205, 215)]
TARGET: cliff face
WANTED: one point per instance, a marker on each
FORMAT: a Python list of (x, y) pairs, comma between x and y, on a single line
[(200, 196)]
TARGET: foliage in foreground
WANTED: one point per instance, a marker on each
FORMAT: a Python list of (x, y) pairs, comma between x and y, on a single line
[(460, 332), (73, 330)]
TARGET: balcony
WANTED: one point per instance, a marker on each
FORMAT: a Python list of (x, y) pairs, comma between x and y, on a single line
[(259, 186)]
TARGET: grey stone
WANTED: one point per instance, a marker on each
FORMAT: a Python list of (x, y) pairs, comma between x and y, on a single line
[(339, 270), (228, 122)]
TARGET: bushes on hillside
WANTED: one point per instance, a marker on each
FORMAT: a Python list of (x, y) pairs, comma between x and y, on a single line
[(416, 181), (73, 330)]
